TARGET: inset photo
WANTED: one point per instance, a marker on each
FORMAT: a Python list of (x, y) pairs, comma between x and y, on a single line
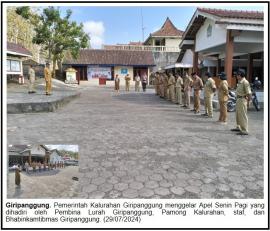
[(43, 171)]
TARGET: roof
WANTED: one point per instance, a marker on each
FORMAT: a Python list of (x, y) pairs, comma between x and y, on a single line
[(13, 48), (17, 148), (112, 58), (168, 29), (233, 13)]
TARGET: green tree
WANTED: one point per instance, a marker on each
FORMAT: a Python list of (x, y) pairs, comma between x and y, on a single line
[(57, 34)]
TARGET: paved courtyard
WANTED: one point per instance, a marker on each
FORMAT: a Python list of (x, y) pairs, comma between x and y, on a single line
[(57, 183), (136, 145)]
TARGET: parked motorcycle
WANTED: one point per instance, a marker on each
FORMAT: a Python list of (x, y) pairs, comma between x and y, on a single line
[(231, 104), (254, 98)]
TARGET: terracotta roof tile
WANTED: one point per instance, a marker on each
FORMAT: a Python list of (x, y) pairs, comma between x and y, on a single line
[(113, 58), (168, 29), (233, 13), (13, 47)]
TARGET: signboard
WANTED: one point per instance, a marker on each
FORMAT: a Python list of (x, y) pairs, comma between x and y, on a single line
[(124, 71), (98, 72)]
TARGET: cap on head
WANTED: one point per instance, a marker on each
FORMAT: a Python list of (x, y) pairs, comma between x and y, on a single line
[(222, 76), (47, 64), (193, 73), (208, 74), (241, 72)]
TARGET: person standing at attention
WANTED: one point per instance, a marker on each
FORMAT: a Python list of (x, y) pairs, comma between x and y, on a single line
[(127, 79), (48, 79), (243, 93), (117, 84), (137, 82), (32, 78)]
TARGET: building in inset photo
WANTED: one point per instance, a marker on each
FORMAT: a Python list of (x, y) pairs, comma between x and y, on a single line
[(42, 171)]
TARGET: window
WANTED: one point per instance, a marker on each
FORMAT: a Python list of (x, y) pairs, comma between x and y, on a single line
[(13, 65), (209, 31)]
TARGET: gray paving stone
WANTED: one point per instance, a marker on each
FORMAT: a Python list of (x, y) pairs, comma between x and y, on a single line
[(146, 193), (193, 189), (183, 176), (156, 177), (162, 191), (121, 186), (177, 190), (136, 185), (237, 187), (209, 188), (235, 179), (151, 184), (98, 181), (106, 187), (96, 195), (89, 188), (252, 186), (130, 193), (223, 187), (195, 182), (165, 183), (142, 178)]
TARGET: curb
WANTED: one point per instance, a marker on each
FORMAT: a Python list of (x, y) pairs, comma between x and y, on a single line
[(17, 108)]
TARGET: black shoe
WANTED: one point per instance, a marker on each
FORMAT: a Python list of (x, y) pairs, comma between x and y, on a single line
[(29, 92), (33, 91), (235, 130), (205, 114), (196, 112), (242, 133), (192, 110)]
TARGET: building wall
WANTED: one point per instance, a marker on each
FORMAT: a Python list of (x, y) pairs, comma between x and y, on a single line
[(170, 42), (37, 149), (217, 37), (250, 37), (117, 70), (163, 59)]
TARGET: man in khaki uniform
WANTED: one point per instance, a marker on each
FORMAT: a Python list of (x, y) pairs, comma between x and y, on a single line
[(178, 89), (137, 82), (161, 85), (165, 86), (197, 87), (187, 87), (223, 96), (32, 78), (171, 83), (157, 82), (48, 79), (127, 79), (209, 90), (243, 93)]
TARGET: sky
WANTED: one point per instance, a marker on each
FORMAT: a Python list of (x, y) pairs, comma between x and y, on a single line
[(121, 24)]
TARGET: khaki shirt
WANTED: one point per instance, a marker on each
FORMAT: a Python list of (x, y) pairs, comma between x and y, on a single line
[(197, 83), (209, 87), (127, 78), (187, 83), (47, 74), (223, 91), (243, 88), (179, 82), (171, 81), (31, 73)]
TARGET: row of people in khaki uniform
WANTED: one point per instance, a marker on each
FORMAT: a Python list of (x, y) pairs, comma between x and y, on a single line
[(178, 90)]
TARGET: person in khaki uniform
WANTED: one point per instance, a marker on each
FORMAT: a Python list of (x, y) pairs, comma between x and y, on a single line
[(32, 78), (157, 82), (178, 89), (48, 79), (209, 90), (165, 85), (137, 82), (18, 175), (187, 81), (223, 96), (127, 79), (161, 85), (197, 87), (243, 93), (171, 83)]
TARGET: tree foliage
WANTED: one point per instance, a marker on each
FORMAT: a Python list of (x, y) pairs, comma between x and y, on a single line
[(57, 34)]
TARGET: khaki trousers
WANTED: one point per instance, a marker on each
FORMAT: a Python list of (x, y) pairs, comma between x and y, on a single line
[(197, 100), (179, 99), (127, 86), (241, 115), (32, 84), (137, 86), (223, 114), (172, 93), (48, 87), (208, 105), (187, 98)]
